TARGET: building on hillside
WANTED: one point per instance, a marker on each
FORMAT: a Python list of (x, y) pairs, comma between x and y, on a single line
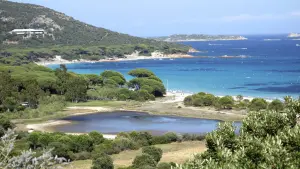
[(28, 33)]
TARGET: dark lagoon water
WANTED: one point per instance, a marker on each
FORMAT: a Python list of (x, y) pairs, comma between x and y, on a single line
[(115, 122), (271, 69)]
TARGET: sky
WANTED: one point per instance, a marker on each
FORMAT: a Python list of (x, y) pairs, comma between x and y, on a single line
[(165, 17)]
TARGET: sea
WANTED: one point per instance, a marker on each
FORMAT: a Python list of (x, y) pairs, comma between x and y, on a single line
[(266, 66)]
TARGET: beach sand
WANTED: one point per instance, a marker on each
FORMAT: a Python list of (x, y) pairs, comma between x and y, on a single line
[(134, 56)]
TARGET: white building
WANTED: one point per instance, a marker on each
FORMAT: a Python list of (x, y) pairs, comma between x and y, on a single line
[(28, 33)]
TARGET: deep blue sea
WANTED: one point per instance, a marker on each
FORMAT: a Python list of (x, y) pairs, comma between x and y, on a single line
[(271, 69)]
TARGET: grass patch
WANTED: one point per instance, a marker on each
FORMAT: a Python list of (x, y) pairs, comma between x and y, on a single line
[(174, 152)]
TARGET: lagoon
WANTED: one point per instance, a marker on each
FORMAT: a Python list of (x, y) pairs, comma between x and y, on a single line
[(126, 121)]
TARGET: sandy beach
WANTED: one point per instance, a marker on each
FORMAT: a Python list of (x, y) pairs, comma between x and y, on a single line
[(134, 56), (48, 127)]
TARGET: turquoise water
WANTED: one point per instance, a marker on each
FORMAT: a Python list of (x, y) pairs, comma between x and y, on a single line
[(271, 69)]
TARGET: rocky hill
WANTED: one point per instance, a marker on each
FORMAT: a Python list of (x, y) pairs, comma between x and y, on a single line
[(59, 28)]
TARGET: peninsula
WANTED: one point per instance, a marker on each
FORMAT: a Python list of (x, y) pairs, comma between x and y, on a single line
[(197, 37)]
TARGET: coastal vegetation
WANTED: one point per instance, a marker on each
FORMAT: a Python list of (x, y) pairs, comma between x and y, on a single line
[(228, 102), (91, 146), (32, 91), (267, 139), (19, 56)]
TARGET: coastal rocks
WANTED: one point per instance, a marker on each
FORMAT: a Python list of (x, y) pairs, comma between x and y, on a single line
[(193, 50)]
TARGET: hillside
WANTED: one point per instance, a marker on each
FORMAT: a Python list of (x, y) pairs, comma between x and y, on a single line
[(59, 28), (197, 37)]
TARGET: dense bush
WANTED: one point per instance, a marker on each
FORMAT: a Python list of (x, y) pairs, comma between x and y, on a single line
[(226, 102), (103, 162), (276, 105), (267, 139), (164, 166), (141, 161), (5, 123), (258, 104), (154, 152), (200, 99), (25, 158), (141, 73)]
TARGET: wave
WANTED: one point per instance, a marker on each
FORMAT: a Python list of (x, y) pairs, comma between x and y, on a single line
[(217, 44), (201, 69), (272, 40), (241, 48)]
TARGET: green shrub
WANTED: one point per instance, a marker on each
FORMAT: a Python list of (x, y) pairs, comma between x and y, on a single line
[(258, 104), (103, 162), (143, 94), (276, 105), (141, 138), (164, 166), (208, 100), (122, 144), (198, 102), (188, 101), (141, 73), (5, 123), (242, 105), (171, 137), (192, 137), (226, 102), (61, 150), (96, 137), (143, 160), (154, 152), (106, 148)]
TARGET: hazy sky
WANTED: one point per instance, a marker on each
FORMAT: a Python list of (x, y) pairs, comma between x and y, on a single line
[(165, 17)]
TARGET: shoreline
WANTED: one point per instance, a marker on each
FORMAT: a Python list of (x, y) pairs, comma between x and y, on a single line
[(172, 100), (206, 40), (58, 60)]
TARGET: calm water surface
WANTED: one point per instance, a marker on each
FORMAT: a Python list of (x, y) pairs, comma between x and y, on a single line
[(115, 122)]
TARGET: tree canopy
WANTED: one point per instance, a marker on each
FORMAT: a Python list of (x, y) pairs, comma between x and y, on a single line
[(141, 73)]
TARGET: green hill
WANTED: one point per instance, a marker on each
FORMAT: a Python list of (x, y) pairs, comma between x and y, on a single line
[(60, 28), (65, 36)]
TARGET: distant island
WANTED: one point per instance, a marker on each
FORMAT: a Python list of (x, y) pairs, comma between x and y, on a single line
[(197, 37), (294, 35)]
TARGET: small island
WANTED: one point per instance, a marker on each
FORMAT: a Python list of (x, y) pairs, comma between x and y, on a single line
[(294, 35), (197, 37)]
